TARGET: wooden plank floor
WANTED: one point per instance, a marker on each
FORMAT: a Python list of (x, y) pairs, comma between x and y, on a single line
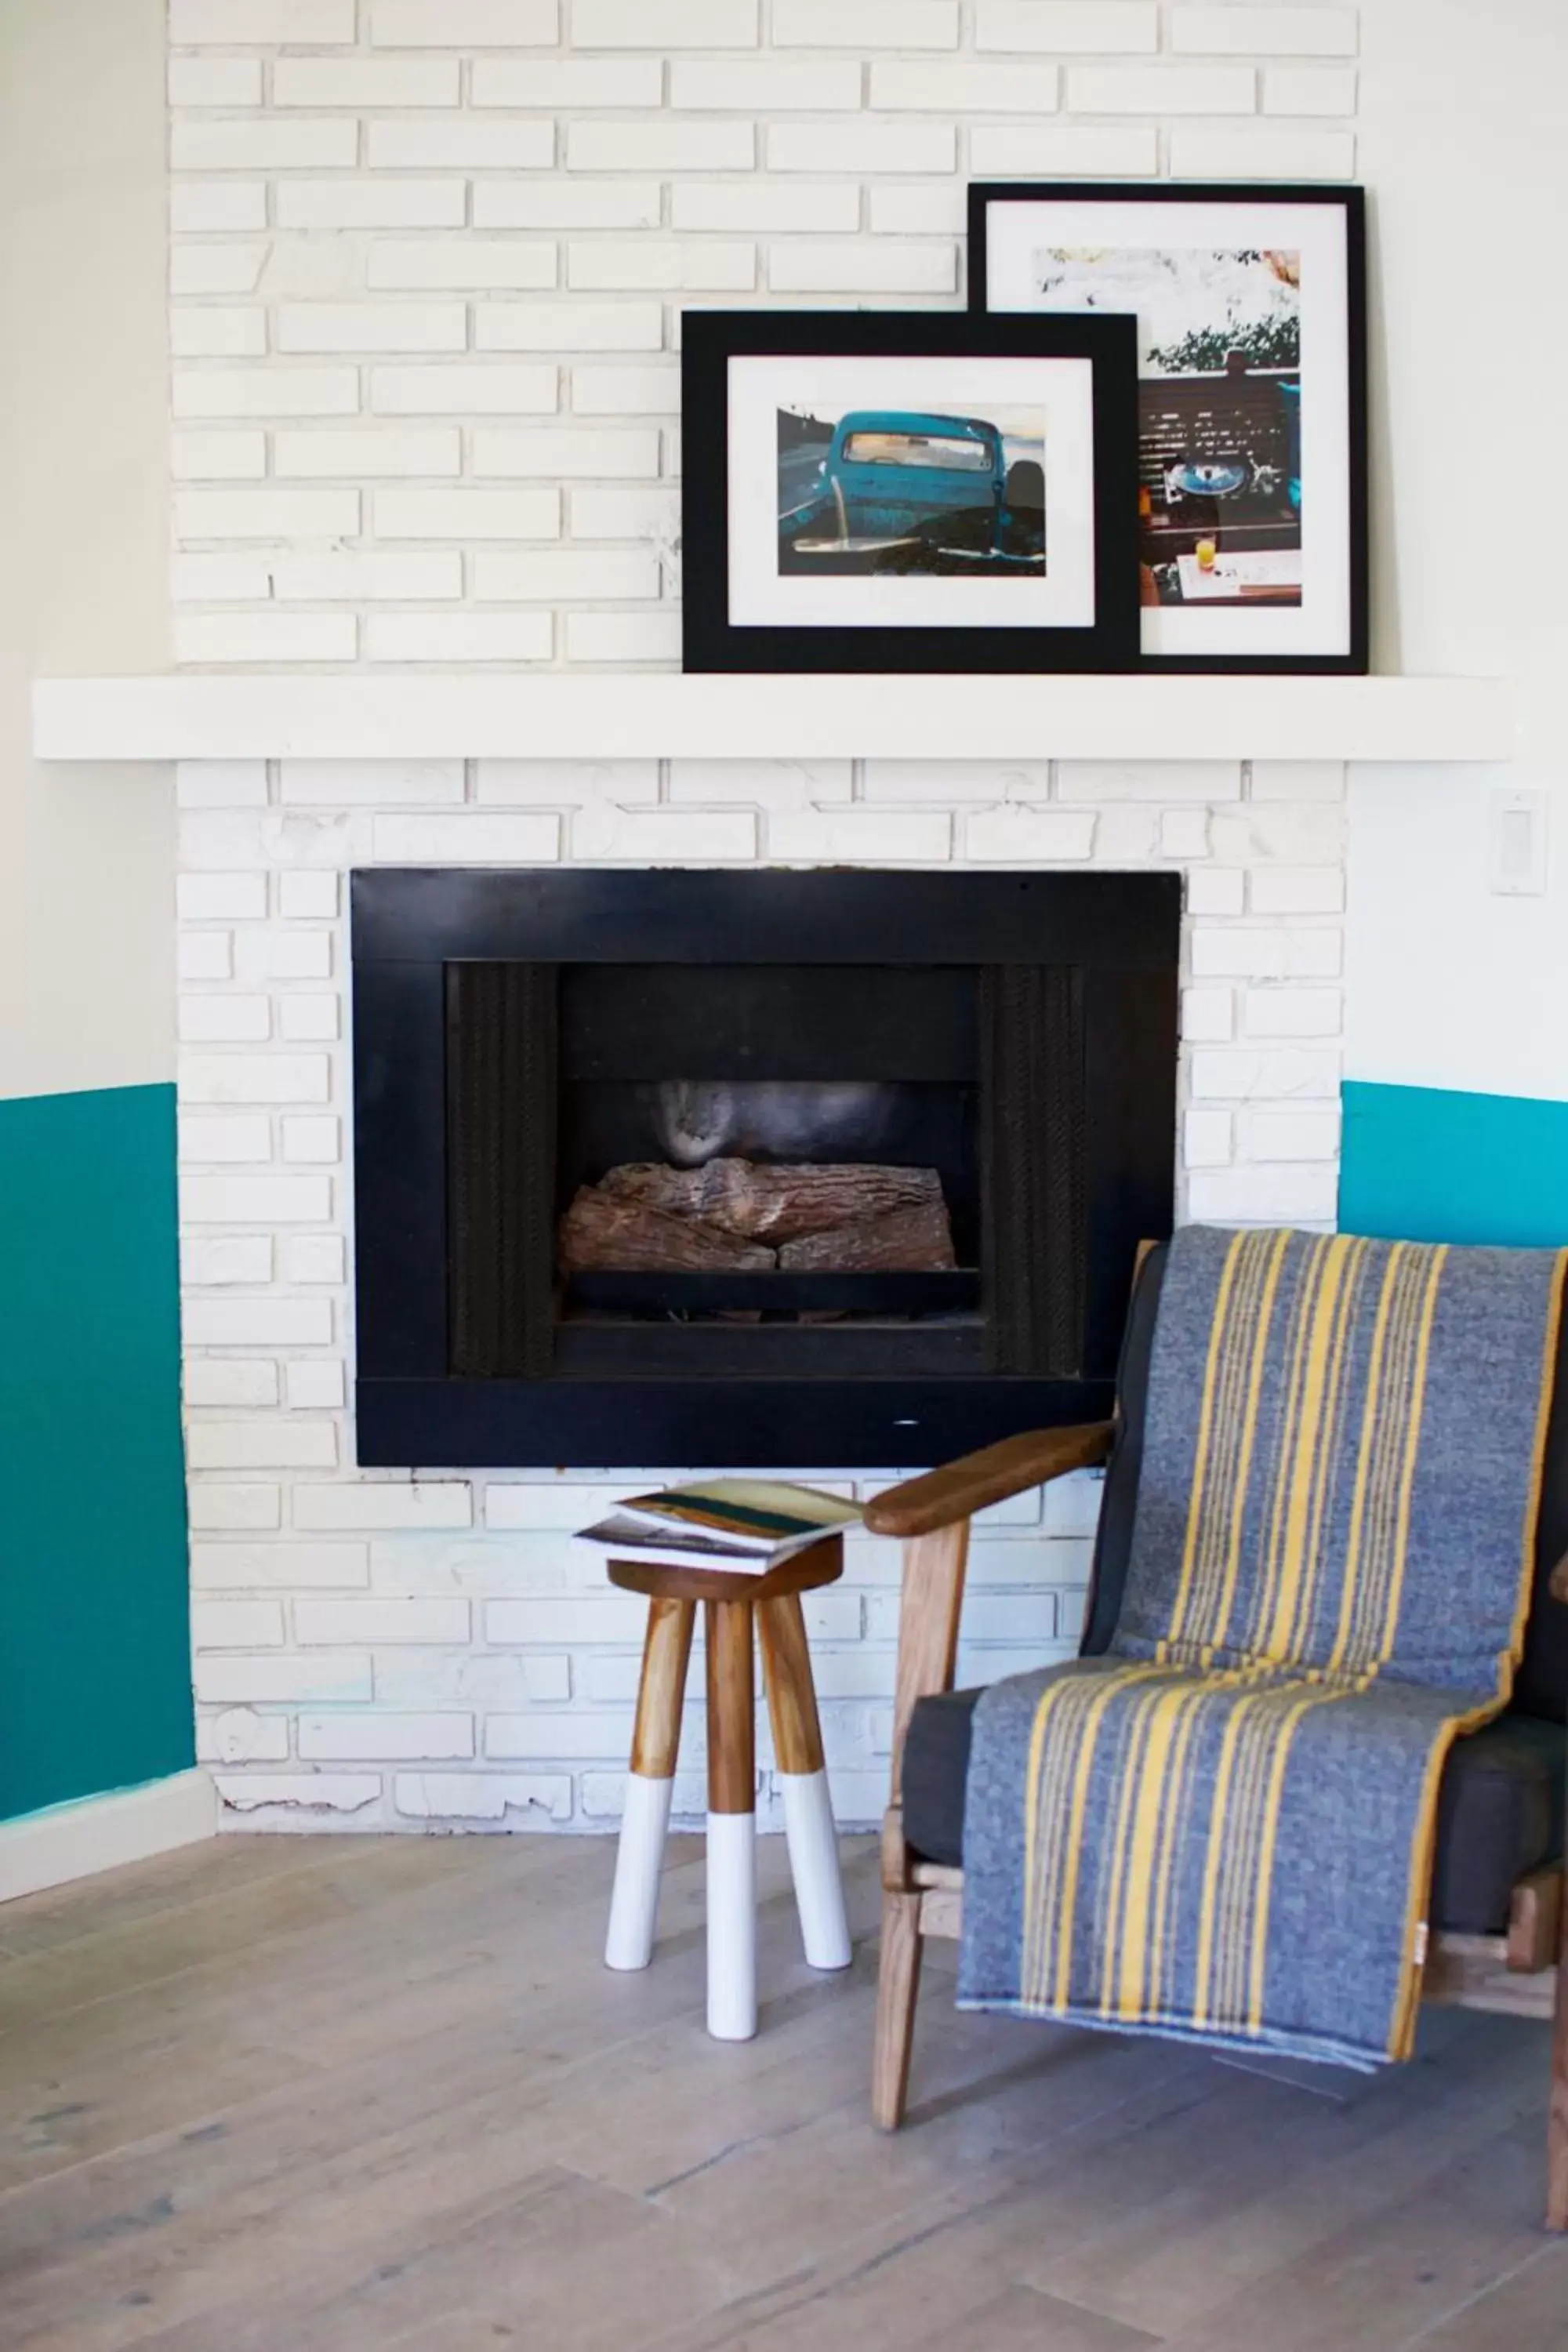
[(280, 2095)]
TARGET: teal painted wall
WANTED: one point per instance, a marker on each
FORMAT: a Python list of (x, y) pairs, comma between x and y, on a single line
[(1424, 1164), (95, 1671)]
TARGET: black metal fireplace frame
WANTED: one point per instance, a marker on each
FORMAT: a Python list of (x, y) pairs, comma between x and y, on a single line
[(1120, 931)]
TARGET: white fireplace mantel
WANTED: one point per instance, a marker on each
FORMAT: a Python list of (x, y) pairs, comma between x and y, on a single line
[(642, 714)]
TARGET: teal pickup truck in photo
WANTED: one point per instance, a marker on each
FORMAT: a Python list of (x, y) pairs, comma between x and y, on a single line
[(900, 491)]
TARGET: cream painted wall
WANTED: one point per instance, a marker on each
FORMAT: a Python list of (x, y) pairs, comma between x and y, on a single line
[(1463, 148), (86, 855)]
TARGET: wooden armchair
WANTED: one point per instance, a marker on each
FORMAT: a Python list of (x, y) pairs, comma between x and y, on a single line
[(1499, 1913)]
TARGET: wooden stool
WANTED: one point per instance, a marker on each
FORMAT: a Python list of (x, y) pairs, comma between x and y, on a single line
[(729, 1604)]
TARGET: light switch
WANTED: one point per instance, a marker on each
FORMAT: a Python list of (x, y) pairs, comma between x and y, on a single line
[(1519, 841)]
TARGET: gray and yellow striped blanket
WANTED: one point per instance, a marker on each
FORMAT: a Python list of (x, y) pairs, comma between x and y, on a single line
[(1222, 1830)]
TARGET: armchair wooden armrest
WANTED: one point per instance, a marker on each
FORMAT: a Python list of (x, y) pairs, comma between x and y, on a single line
[(938, 1499)]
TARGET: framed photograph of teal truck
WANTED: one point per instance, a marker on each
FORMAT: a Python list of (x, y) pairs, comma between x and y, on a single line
[(890, 491)]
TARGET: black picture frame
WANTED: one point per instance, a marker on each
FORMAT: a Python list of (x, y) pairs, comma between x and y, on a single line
[(1353, 661), (712, 338)]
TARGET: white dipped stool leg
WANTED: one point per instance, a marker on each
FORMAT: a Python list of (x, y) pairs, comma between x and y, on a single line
[(814, 1865), (732, 1823), (639, 1859), (803, 1782), (733, 1926), (650, 1783)]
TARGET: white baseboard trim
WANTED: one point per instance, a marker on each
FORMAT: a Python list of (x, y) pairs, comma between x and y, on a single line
[(67, 1841)]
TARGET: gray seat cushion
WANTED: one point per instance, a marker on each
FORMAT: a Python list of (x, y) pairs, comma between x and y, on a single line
[(1500, 1810)]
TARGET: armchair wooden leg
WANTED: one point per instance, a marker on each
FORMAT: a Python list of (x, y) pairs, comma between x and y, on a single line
[(898, 1988), (1557, 2112)]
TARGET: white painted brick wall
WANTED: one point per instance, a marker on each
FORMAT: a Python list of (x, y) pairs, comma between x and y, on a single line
[(377, 1652), (427, 263), (416, 217)]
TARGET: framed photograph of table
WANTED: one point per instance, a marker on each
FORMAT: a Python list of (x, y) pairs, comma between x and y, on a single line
[(1250, 303), (884, 491)]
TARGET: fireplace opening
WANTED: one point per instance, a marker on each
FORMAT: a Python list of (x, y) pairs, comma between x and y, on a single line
[(755, 1143), (688, 1166)]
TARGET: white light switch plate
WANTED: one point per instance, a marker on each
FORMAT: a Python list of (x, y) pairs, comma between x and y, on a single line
[(1518, 846)]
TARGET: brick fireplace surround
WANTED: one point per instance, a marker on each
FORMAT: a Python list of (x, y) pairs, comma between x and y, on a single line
[(429, 258), (373, 1652)]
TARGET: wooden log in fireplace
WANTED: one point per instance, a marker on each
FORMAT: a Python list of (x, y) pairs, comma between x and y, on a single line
[(600, 1231), (777, 1202), (816, 1217), (914, 1240)]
